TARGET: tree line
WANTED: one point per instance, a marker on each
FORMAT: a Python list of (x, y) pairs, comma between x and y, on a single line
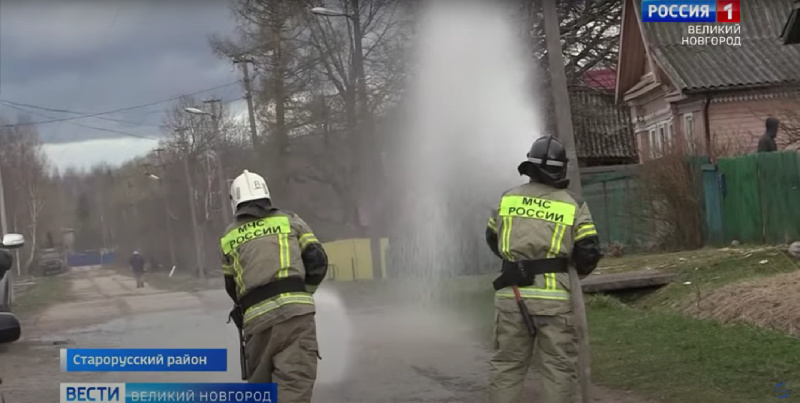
[(309, 126)]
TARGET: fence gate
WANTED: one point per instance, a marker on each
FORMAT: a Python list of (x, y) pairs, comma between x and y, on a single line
[(712, 196)]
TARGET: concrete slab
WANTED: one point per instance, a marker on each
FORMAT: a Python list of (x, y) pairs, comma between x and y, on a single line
[(598, 283)]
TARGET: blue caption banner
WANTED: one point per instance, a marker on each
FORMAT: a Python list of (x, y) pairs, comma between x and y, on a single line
[(679, 11), (170, 392), (144, 360)]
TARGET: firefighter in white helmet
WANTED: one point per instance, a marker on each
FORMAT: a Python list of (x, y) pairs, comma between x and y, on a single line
[(272, 264)]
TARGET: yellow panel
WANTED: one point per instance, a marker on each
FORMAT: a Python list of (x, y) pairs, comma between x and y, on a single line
[(340, 260), (351, 259), (363, 258)]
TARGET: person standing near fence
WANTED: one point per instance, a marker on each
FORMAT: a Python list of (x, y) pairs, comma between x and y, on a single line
[(767, 142), (137, 266)]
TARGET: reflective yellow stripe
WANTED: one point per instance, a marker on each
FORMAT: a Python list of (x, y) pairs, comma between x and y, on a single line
[(285, 256), (505, 239), (238, 273), (492, 224), (277, 302), (585, 230), (530, 207), (533, 293), (555, 247), (253, 230), (307, 239), (227, 270)]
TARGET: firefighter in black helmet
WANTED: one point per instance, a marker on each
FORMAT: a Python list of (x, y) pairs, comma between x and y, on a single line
[(546, 163), (539, 229)]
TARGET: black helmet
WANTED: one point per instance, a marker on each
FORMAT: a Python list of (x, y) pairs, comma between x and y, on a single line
[(547, 162)]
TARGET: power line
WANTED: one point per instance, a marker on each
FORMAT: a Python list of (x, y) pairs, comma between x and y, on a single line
[(14, 106), (87, 126), (121, 109), (10, 103)]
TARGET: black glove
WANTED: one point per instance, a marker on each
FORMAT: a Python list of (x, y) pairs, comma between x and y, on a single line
[(237, 316)]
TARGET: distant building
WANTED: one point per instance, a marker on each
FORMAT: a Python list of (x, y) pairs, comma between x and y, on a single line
[(706, 99), (603, 130)]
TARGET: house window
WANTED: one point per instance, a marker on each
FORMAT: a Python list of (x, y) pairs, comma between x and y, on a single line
[(688, 129), (653, 143), (670, 133), (660, 138)]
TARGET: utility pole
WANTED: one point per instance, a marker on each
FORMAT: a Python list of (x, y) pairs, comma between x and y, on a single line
[(370, 167), (558, 86), (223, 192), (160, 167), (195, 230), (4, 228), (248, 93), (370, 150)]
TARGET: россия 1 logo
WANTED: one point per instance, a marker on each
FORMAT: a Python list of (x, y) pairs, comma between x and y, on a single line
[(702, 11)]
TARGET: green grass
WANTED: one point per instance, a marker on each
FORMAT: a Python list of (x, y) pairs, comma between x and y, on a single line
[(710, 272), (647, 346), (677, 359), (46, 291)]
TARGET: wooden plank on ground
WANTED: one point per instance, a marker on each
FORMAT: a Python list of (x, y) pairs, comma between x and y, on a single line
[(597, 283)]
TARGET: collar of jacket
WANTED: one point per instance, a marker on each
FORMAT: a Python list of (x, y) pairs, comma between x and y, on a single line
[(255, 210)]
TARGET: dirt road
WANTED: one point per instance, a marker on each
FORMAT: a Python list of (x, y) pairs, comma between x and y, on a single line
[(370, 353)]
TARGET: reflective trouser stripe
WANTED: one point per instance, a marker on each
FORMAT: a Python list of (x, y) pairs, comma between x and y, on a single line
[(276, 302), (533, 293)]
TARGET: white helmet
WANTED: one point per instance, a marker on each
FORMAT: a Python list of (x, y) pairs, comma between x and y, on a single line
[(247, 187)]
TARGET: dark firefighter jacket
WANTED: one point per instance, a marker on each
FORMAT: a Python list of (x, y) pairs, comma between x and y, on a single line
[(535, 221), (265, 245)]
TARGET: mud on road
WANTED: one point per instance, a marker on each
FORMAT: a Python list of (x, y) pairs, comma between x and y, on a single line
[(371, 352)]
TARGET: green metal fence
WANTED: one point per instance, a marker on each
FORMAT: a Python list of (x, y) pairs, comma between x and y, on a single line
[(616, 208), (760, 200)]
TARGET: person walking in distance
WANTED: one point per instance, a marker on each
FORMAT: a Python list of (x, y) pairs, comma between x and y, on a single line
[(272, 264), (137, 266), (538, 230)]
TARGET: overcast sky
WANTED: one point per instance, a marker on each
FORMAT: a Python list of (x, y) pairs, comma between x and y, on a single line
[(97, 56)]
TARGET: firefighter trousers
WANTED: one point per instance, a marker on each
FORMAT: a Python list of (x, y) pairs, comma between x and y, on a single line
[(286, 354), (555, 349)]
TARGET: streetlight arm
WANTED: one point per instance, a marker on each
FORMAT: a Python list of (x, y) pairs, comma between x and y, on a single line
[(195, 111), (327, 12)]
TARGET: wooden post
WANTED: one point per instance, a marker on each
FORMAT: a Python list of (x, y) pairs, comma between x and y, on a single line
[(558, 86)]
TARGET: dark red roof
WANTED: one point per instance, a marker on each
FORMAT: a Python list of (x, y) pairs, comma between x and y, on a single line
[(600, 79)]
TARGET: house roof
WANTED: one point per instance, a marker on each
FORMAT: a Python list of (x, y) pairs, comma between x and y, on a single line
[(791, 31), (761, 61), (602, 129), (603, 78)]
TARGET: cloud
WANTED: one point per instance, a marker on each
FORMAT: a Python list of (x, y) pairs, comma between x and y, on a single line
[(85, 154), (91, 56)]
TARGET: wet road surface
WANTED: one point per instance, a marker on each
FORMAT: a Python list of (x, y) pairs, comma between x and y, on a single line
[(370, 352)]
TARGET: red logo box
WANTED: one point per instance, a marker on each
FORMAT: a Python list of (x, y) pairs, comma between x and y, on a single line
[(728, 11)]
